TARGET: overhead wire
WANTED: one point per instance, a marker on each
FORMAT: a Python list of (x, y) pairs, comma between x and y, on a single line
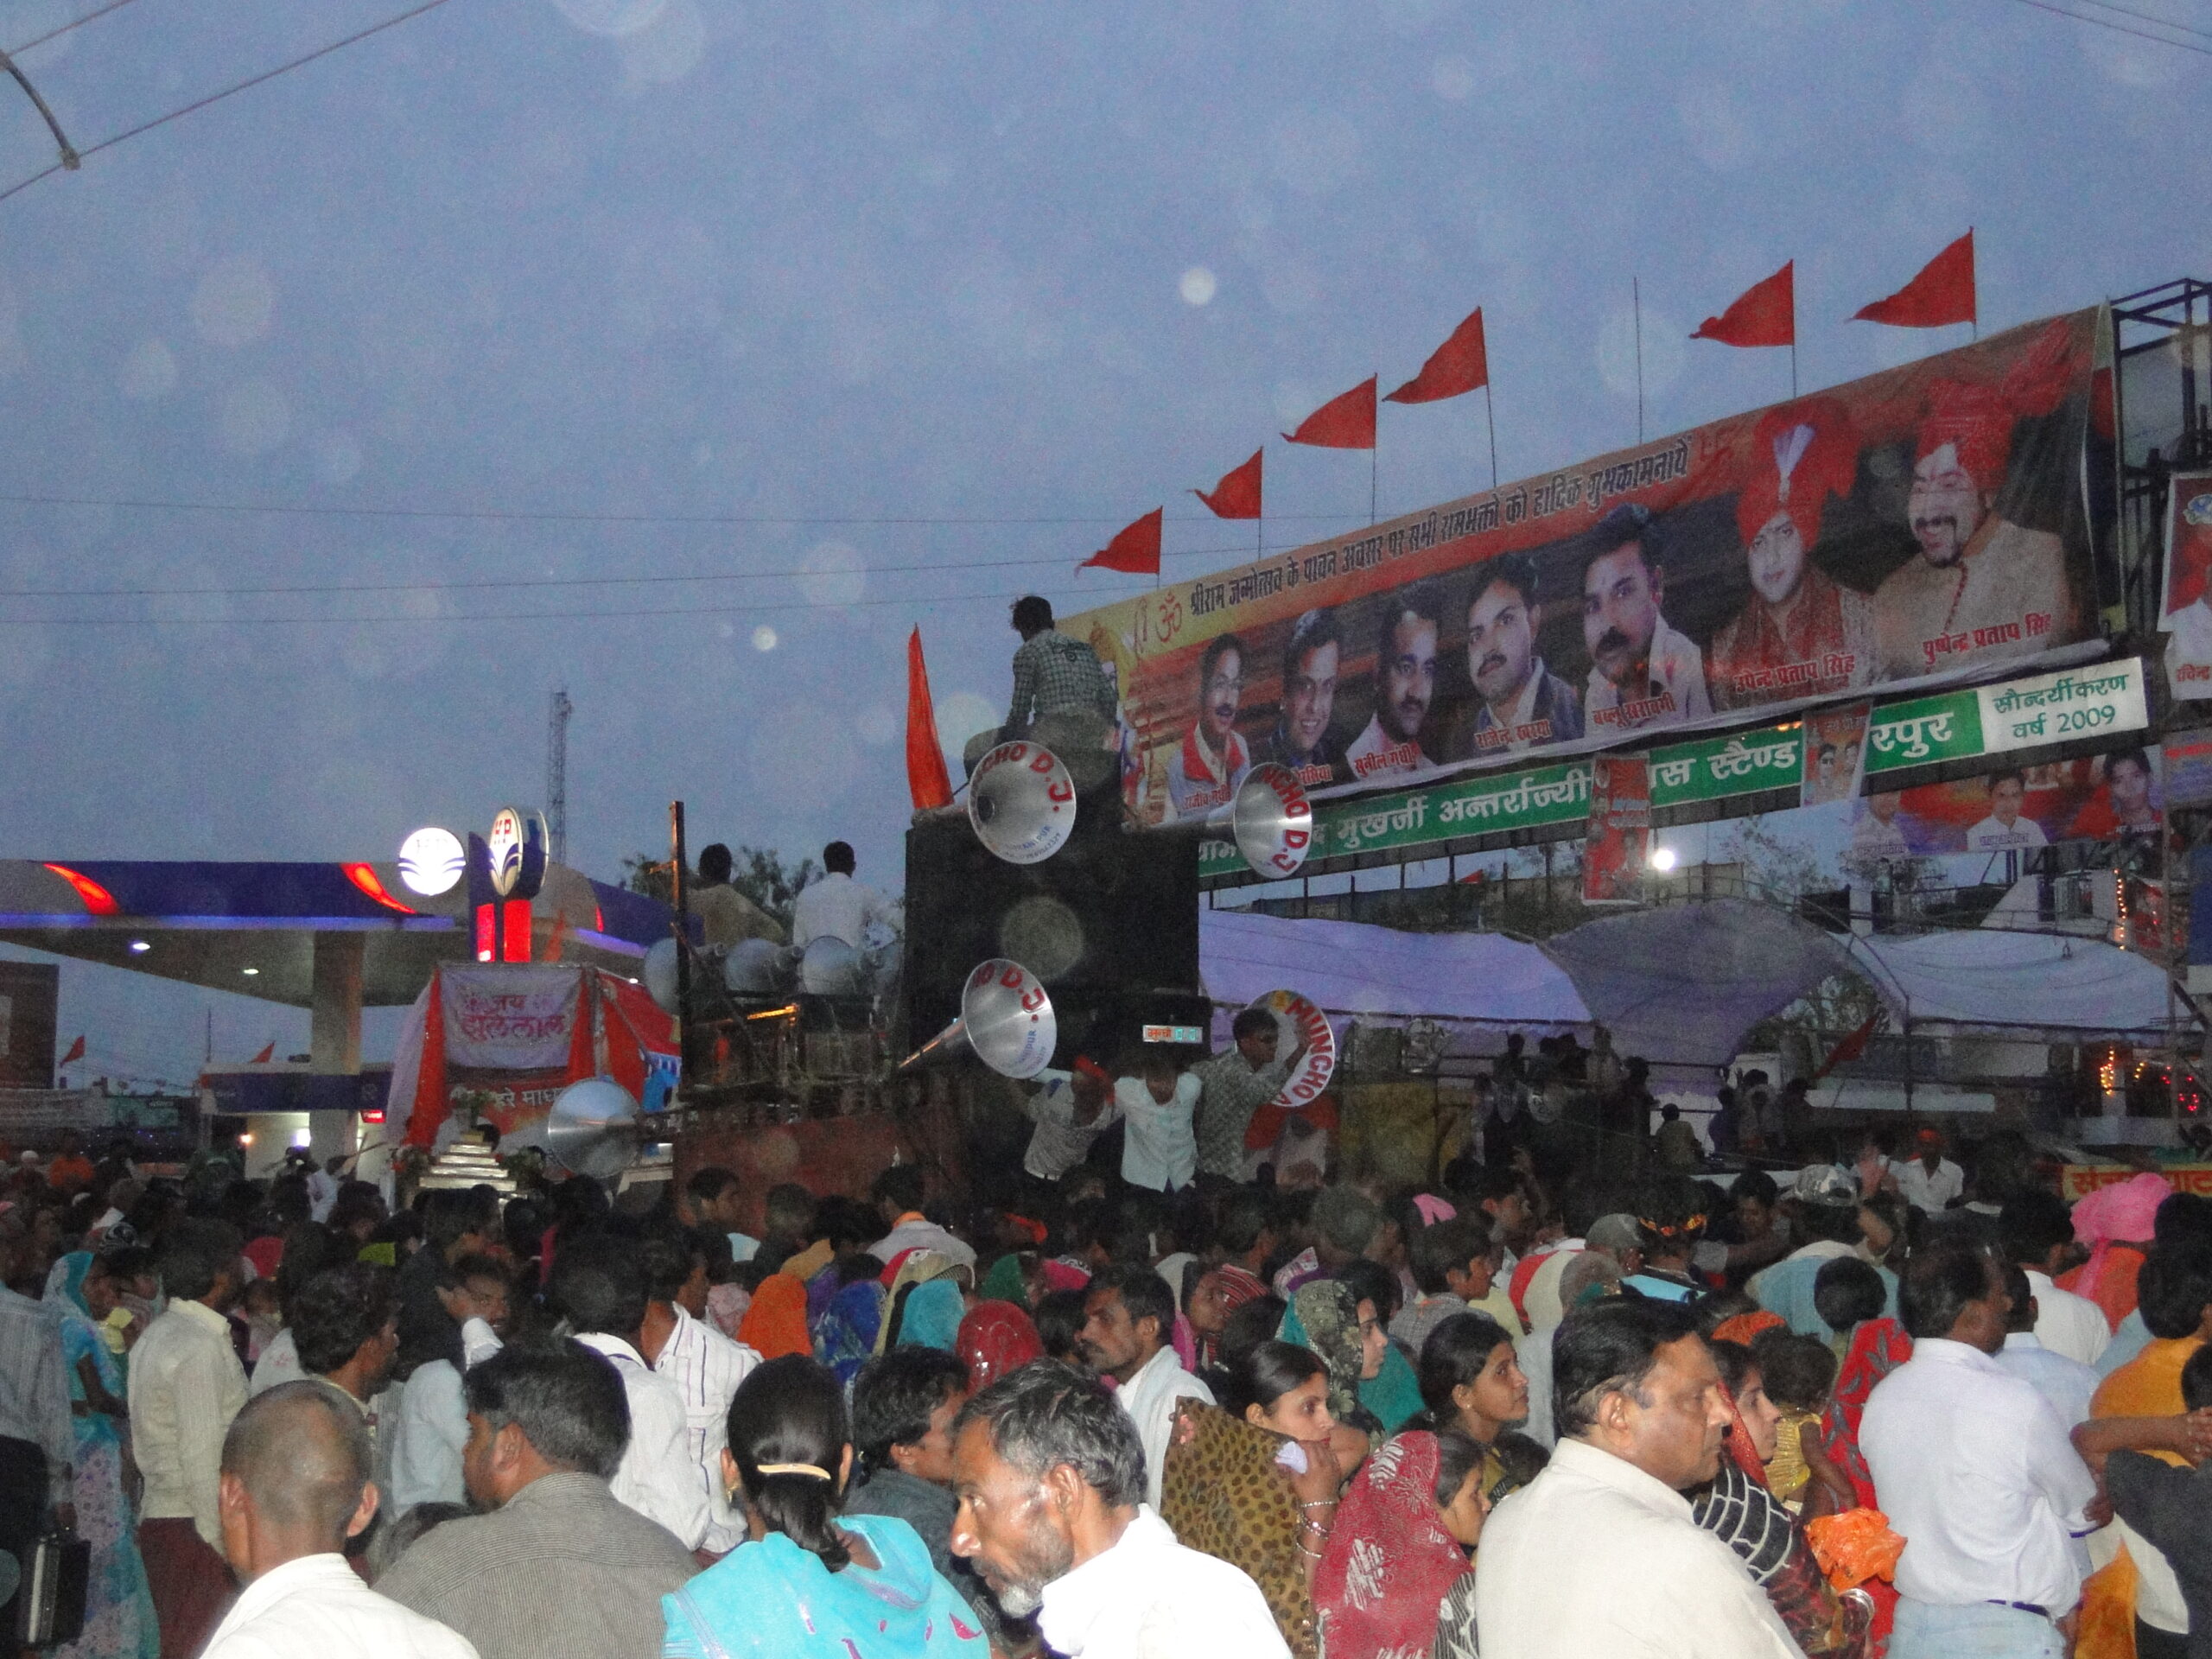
[(2122, 29), (198, 103)]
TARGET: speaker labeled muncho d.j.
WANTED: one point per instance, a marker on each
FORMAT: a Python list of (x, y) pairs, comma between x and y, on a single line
[(1109, 925)]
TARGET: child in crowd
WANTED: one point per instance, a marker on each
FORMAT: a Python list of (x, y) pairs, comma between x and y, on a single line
[(1799, 1372)]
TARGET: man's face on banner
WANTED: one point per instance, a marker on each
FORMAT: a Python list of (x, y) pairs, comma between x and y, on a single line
[(1884, 806), (2130, 786), (2006, 796), (1310, 695), (1944, 508), (1501, 643), (1406, 678), (1218, 697), (1620, 612), (1777, 557)]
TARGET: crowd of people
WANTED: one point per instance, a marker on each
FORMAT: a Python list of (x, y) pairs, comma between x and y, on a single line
[(1921, 1406)]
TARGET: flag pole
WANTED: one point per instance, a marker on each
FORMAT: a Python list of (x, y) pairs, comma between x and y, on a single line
[(1793, 358), (1636, 300), (1490, 415), (1374, 476)]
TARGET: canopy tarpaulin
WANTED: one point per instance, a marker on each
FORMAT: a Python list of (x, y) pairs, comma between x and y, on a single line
[(1353, 968), (1985, 979), (1681, 985)]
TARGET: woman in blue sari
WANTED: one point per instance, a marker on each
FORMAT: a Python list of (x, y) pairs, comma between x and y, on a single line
[(844, 1336), (118, 1607), (811, 1581)]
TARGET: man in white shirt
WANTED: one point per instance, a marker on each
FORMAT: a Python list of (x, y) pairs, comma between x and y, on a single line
[(185, 1386), (1928, 1180), (431, 1430), (2037, 1231), (838, 907), (1129, 1315), (2066, 1385), (2007, 827), (1071, 1109), (1159, 1148), (897, 1192), (1974, 1469), (295, 1487), (705, 1366), (1598, 1555), (1051, 1478), (599, 1284)]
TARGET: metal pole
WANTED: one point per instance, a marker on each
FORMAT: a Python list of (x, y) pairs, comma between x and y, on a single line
[(677, 869), (70, 158), (1374, 476), (1636, 299), (1490, 412)]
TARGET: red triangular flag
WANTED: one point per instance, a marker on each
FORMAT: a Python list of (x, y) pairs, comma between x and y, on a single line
[(1765, 314), (1344, 423), (1849, 1049), (1135, 549), (927, 780), (1459, 365), (1238, 495), (264, 1056), (76, 1051), (1941, 294)]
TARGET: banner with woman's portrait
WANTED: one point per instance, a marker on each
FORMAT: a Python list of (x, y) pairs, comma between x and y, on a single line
[(1924, 525)]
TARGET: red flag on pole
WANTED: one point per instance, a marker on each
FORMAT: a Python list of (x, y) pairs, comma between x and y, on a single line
[(1849, 1049), (1459, 365), (1342, 422), (1765, 314), (76, 1051), (266, 1055), (1943, 293), (927, 780), (1238, 495), (1135, 549)]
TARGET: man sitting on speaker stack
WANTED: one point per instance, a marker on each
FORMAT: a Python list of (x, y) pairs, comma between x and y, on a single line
[(1062, 698)]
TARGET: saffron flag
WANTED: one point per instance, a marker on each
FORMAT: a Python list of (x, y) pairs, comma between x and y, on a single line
[(1238, 495), (1344, 422), (927, 780), (1941, 294), (1765, 314), (1135, 549), (76, 1051), (267, 1054), (1849, 1049), (1459, 365)]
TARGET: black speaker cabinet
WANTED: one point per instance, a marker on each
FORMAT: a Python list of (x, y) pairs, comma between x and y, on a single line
[(1110, 923)]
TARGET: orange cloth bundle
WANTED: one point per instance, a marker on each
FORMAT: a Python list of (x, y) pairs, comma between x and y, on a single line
[(1854, 1547)]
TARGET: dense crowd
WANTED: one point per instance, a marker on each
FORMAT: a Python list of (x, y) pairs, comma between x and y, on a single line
[(1137, 1408)]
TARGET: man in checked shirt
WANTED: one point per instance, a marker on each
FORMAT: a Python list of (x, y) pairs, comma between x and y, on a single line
[(1234, 1084), (1062, 698)]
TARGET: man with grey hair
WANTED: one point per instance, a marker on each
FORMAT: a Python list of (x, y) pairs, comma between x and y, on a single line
[(1050, 1476), (295, 1487)]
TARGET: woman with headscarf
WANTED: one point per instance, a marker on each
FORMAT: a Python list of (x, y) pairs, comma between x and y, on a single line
[(995, 1338), (1395, 1580), (914, 1268), (1345, 1334), (2117, 1223), (1215, 1294), (1737, 1508), (775, 1325), (931, 1317), (844, 1336), (119, 1606)]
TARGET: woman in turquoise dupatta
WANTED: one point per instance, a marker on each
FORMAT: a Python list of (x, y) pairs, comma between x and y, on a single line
[(1325, 1318), (811, 1583), (119, 1606)]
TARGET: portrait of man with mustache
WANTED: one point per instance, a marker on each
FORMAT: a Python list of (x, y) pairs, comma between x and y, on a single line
[(1643, 672), (1213, 759), (1520, 703), (1405, 684)]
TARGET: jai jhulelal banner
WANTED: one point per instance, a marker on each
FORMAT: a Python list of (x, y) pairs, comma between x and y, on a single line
[(1923, 527)]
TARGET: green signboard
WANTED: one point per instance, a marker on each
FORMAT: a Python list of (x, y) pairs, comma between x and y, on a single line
[(2102, 700)]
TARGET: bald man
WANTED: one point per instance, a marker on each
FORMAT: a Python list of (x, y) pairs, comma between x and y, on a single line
[(294, 1488)]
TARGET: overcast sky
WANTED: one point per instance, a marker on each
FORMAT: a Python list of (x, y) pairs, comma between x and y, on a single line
[(1023, 270)]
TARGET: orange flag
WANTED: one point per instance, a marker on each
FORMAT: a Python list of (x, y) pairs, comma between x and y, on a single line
[(1135, 548), (1941, 294), (76, 1051), (1346, 421), (1765, 314), (927, 780), (264, 1056), (1460, 365), (1238, 495)]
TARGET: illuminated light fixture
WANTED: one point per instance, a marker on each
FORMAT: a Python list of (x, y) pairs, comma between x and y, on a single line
[(372, 1115), (1662, 859), (96, 899), (249, 972), (430, 861), (139, 947), (245, 1137), (302, 1137), (364, 876)]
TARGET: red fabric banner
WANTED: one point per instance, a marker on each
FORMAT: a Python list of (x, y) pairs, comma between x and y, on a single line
[(267, 1054), (1459, 365), (1238, 495), (1942, 293), (1346, 421), (1765, 314), (76, 1051), (1135, 549), (927, 781)]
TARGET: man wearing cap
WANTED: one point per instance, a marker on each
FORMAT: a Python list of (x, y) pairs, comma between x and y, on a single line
[(1825, 1197), (1929, 1181)]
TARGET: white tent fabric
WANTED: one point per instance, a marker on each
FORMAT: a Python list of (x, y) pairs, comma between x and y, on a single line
[(1681, 985), (1352, 967), (1983, 978)]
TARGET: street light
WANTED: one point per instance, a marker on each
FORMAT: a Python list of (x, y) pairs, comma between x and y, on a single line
[(1662, 859)]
